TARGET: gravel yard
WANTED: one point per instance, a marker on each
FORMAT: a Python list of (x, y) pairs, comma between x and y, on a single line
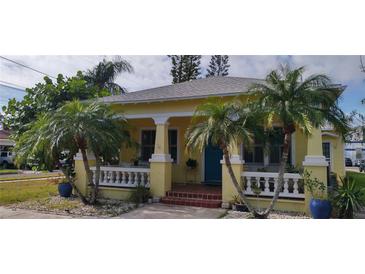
[(274, 215), (73, 207)]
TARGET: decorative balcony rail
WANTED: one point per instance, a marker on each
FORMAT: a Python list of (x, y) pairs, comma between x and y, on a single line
[(122, 176), (265, 183)]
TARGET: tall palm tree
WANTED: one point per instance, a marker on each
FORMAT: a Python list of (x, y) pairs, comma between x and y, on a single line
[(77, 126), (222, 124), (104, 74), (298, 102)]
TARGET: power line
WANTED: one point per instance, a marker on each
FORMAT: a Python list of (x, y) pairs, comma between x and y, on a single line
[(13, 85), (25, 66)]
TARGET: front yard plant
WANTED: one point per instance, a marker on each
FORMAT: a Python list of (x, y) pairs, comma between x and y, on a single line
[(319, 205), (349, 198)]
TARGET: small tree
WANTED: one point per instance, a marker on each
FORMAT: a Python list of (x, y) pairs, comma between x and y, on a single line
[(222, 124), (299, 103), (76, 126), (104, 74), (218, 66)]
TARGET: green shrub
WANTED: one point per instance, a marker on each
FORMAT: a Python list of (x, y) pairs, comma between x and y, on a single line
[(315, 187), (140, 195), (348, 198)]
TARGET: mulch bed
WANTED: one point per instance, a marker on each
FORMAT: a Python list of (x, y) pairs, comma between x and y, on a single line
[(74, 207)]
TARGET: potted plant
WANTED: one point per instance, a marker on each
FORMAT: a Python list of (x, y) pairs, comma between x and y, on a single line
[(191, 163), (320, 207), (135, 161), (65, 189), (238, 204)]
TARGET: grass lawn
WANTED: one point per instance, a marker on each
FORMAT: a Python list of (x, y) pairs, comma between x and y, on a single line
[(358, 177), (30, 190), (8, 171), (30, 176)]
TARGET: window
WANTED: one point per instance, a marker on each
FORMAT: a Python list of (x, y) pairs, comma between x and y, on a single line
[(276, 145), (327, 151), (276, 142), (255, 153), (4, 154), (148, 144), (173, 144)]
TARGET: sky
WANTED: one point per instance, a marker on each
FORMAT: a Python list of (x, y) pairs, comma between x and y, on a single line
[(154, 70)]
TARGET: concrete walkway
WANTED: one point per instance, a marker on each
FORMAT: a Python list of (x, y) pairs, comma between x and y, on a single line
[(152, 211), (162, 211)]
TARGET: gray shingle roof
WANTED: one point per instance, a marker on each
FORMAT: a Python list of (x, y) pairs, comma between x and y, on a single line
[(200, 88)]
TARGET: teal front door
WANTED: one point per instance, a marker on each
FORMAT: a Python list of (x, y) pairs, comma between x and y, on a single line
[(213, 168)]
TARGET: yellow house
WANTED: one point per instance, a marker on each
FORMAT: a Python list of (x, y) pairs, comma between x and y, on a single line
[(159, 118)]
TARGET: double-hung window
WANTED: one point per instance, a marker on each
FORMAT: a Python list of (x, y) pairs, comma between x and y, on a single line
[(148, 144), (255, 153), (276, 143)]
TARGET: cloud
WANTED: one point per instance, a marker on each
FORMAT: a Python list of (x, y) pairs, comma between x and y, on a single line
[(154, 70)]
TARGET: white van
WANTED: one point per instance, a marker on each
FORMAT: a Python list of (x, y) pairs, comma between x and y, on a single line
[(6, 158)]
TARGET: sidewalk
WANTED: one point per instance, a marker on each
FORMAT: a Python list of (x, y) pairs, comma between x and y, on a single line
[(7, 213)]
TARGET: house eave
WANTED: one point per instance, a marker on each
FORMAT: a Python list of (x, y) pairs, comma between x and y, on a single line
[(121, 102)]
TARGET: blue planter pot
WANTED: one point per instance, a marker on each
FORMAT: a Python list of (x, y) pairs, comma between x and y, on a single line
[(65, 189), (320, 209)]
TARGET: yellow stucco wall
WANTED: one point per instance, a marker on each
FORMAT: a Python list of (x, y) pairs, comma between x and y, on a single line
[(300, 144), (81, 179), (180, 174)]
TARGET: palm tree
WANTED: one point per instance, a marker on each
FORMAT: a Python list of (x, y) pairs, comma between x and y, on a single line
[(104, 74), (298, 103), (223, 124), (77, 126)]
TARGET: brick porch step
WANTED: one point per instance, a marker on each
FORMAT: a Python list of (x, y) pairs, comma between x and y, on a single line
[(194, 195), (191, 202)]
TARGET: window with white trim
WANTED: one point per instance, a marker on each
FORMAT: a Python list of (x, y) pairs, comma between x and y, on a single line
[(254, 154), (148, 137), (326, 147)]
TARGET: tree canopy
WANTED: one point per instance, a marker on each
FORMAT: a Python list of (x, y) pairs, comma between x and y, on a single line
[(184, 67), (218, 66), (46, 96)]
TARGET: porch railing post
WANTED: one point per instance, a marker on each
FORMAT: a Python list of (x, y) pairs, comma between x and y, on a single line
[(315, 162), (228, 189), (81, 178)]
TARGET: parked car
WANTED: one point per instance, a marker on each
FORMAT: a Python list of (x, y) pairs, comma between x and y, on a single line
[(362, 166), (357, 162), (348, 162), (6, 159)]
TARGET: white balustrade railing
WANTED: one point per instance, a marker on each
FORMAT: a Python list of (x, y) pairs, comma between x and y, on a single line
[(267, 182), (122, 176)]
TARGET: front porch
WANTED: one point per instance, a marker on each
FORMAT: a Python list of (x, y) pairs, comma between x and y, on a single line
[(160, 164)]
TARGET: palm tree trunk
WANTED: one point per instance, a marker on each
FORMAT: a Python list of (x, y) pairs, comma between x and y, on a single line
[(284, 159), (234, 180), (87, 167), (71, 181), (95, 187)]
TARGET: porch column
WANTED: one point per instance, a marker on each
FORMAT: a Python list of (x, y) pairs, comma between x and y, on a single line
[(228, 189), (81, 181), (315, 162), (160, 162)]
